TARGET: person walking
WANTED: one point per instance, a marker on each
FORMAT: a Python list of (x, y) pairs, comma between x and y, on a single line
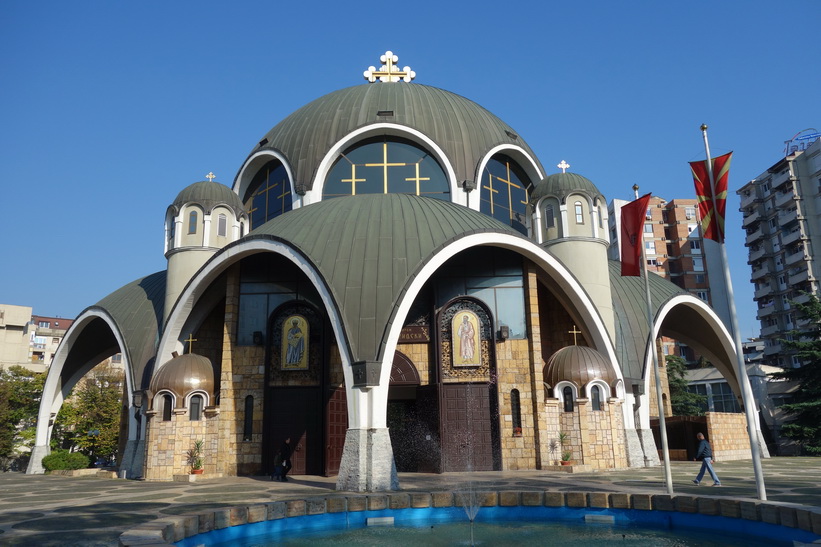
[(705, 454)]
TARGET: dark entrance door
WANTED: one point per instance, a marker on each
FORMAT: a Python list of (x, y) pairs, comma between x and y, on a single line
[(297, 414), (467, 426)]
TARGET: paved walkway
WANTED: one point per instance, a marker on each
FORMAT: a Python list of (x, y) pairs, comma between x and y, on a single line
[(46, 510)]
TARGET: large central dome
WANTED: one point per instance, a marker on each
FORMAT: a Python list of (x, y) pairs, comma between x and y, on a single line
[(461, 128)]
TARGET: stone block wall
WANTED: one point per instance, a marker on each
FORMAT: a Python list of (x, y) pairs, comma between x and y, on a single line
[(513, 372), (169, 442), (727, 433)]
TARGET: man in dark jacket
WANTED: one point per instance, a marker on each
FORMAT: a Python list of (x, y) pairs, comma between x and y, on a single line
[(705, 454), (284, 458)]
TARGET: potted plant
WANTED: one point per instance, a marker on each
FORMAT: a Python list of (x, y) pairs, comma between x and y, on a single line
[(567, 454), (195, 458)]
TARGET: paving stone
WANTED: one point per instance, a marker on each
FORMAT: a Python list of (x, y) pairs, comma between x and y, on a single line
[(598, 499), (337, 505), (421, 499), (663, 502), (750, 510), (399, 501), (620, 501), (576, 499), (533, 499), (554, 499)]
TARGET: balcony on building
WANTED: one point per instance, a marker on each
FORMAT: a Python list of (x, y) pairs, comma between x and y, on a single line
[(769, 331), (791, 237), (801, 298), (783, 199), (787, 217), (754, 236), (780, 178), (750, 219), (757, 255), (766, 311), (774, 349), (748, 200), (763, 291), (799, 277), (795, 257), (761, 272)]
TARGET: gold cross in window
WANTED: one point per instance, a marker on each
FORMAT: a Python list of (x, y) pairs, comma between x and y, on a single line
[(491, 189), (353, 180), (384, 165), (417, 179)]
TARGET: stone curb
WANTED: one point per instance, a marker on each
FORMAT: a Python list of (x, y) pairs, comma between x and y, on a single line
[(167, 530)]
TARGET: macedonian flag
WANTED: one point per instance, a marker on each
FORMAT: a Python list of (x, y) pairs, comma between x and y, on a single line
[(712, 222)]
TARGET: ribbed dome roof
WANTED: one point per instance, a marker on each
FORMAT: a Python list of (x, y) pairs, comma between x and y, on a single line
[(563, 184), (580, 365), (184, 374), (208, 194), (464, 130)]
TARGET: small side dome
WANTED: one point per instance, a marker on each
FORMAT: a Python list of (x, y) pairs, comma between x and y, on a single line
[(184, 374), (580, 365), (563, 184), (208, 195)]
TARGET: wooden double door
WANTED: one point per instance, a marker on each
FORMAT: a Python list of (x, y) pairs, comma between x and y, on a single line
[(316, 421)]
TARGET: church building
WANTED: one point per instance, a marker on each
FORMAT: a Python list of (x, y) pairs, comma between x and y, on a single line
[(395, 282)]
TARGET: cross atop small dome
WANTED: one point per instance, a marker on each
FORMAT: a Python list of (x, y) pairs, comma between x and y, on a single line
[(563, 166), (389, 72)]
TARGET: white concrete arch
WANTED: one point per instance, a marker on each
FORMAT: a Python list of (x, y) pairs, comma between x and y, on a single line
[(720, 350), (558, 392), (527, 162), (57, 387), (197, 287), (381, 129)]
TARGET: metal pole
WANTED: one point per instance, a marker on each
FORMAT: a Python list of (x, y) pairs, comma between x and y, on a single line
[(744, 384), (668, 478)]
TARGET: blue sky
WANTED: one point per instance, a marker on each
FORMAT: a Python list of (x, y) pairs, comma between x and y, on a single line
[(109, 109)]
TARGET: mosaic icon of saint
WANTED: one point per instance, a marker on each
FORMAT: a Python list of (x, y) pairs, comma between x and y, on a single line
[(296, 344), (466, 333)]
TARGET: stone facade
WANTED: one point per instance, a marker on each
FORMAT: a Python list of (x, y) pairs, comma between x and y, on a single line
[(728, 436)]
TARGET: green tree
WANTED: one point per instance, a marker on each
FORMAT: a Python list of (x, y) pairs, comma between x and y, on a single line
[(682, 401), (20, 393), (90, 418), (804, 426)]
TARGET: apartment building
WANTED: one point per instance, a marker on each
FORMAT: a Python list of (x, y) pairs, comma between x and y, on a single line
[(29, 340), (674, 249), (782, 220)]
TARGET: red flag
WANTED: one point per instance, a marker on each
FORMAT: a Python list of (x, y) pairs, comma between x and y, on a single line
[(632, 227), (712, 224)]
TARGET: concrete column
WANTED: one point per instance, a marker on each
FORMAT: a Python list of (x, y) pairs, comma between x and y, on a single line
[(367, 462)]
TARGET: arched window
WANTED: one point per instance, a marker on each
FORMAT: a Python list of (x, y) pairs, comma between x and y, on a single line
[(516, 412), (248, 421), (595, 397), (192, 222), (167, 402), (549, 217), (222, 225), (567, 395), (269, 194), (504, 192), (579, 212), (195, 408), (386, 166)]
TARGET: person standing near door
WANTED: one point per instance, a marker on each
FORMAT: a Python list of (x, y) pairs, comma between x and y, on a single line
[(284, 458)]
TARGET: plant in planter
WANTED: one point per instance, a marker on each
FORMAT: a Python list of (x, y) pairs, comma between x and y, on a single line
[(567, 454), (195, 457), (553, 447)]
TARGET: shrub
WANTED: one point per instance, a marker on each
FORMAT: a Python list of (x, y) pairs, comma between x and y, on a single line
[(63, 459)]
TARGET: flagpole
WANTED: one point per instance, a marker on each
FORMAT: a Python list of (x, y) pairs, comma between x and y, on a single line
[(668, 477), (744, 384)]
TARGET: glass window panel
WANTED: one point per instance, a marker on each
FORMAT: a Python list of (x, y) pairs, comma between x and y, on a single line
[(269, 194), (253, 314), (504, 192), (510, 311), (222, 225), (382, 165), (480, 282)]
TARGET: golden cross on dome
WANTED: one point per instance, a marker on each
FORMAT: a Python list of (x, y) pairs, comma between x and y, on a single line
[(563, 166), (389, 72), (210, 176), (574, 332), (190, 341)]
